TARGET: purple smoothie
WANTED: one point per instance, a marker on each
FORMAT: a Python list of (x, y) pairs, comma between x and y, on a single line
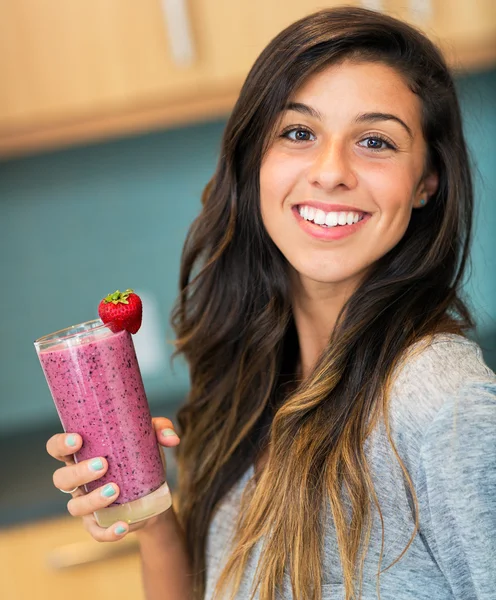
[(98, 391)]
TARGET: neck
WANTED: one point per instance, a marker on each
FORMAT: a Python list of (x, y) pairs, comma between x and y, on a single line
[(316, 307)]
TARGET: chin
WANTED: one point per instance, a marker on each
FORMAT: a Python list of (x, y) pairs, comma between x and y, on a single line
[(324, 276), (338, 274)]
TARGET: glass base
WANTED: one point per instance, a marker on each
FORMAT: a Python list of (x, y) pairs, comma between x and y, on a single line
[(153, 504)]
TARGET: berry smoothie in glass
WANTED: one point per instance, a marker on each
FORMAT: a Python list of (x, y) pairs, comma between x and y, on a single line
[(96, 385)]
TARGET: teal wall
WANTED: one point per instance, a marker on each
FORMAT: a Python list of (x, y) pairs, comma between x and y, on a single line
[(83, 222), (478, 101), (78, 224)]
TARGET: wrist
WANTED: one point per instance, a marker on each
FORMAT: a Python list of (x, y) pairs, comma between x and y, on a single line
[(159, 526)]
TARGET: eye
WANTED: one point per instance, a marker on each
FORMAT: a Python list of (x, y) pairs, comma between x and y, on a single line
[(378, 143), (298, 134)]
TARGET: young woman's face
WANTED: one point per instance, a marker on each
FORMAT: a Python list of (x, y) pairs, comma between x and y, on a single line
[(344, 171)]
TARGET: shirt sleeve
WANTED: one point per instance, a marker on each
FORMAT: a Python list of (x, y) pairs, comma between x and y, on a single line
[(457, 491)]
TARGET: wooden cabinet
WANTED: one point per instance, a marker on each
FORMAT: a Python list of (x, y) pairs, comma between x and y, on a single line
[(464, 29), (64, 59), (74, 70)]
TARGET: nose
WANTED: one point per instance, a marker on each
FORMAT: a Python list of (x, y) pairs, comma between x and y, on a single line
[(332, 168)]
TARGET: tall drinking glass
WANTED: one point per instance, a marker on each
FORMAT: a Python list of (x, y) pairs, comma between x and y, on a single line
[(96, 385)]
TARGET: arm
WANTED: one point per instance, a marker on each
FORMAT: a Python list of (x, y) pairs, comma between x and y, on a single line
[(164, 557), (458, 491), (164, 560)]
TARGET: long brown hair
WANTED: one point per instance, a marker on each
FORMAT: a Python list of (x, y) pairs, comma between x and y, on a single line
[(234, 322)]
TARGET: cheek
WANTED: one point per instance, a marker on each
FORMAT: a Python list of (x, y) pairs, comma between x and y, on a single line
[(392, 192), (277, 178)]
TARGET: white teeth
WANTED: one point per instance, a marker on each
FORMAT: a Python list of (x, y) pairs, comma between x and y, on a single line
[(331, 219), (320, 217)]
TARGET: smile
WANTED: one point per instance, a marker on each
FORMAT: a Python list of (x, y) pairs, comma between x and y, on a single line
[(329, 219), (331, 225)]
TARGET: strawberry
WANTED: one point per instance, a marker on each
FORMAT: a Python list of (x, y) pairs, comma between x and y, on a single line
[(123, 310)]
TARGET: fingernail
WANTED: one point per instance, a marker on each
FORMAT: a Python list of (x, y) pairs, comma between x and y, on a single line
[(119, 530), (96, 464), (108, 491), (71, 440), (168, 432)]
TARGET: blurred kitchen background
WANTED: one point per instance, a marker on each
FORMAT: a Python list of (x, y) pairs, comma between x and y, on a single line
[(111, 115)]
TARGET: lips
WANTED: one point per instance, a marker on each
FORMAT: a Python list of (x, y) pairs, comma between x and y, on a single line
[(343, 223)]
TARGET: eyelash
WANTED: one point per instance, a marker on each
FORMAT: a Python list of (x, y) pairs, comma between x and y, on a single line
[(375, 136)]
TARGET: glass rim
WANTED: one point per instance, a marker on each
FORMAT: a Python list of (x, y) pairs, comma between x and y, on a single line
[(73, 331)]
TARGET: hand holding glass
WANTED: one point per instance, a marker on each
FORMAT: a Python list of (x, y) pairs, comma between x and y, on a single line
[(96, 385)]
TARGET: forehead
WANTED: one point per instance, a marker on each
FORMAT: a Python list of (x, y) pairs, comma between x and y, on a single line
[(349, 88)]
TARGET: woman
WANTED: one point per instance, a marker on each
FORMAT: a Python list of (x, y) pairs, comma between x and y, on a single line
[(339, 437)]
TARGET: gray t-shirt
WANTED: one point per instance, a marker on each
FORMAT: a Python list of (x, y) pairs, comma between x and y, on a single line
[(443, 422)]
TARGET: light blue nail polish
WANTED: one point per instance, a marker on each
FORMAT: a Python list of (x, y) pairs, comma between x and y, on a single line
[(120, 529), (70, 440), (108, 491), (96, 464), (168, 432)]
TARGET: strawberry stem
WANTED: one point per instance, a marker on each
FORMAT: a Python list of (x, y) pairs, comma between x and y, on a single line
[(118, 297)]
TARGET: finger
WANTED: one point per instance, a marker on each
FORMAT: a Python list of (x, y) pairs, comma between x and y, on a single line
[(71, 476), (111, 534), (88, 503), (162, 423), (63, 445), (165, 431)]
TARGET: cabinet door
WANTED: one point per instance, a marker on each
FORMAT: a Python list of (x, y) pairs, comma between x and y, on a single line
[(62, 60), (465, 30), (234, 33)]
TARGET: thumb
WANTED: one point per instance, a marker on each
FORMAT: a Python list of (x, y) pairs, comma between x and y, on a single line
[(165, 431)]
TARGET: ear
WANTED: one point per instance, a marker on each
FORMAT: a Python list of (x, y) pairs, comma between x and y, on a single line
[(426, 189)]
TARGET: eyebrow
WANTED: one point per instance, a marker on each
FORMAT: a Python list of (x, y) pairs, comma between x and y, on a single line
[(379, 116), (304, 109), (370, 117)]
